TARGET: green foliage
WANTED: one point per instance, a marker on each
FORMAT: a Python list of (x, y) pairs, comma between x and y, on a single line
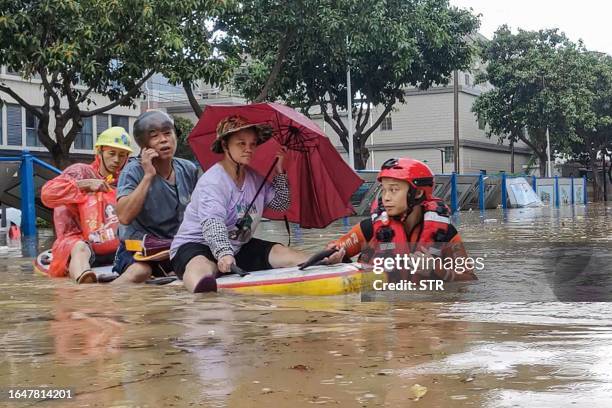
[(389, 45), (541, 79), (183, 127), (108, 47), (594, 127)]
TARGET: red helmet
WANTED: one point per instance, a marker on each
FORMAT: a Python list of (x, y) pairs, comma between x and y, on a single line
[(415, 172)]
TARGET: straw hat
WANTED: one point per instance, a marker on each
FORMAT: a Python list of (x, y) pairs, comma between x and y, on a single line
[(236, 123)]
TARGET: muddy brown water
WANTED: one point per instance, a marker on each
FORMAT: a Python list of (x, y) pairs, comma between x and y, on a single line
[(504, 341)]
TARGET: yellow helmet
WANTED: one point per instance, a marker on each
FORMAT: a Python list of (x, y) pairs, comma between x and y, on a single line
[(116, 137)]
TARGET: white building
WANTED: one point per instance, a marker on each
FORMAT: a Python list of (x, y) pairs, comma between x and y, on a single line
[(423, 128), (18, 126)]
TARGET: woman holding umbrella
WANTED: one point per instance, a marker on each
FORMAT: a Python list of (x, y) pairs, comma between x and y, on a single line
[(225, 209)]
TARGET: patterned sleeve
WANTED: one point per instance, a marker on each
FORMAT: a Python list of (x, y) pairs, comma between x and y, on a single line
[(212, 213), (277, 195), (215, 236)]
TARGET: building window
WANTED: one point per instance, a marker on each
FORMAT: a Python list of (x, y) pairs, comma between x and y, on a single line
[(13, 125), (481, 123), (387, 123), (32, 130), (84, 139), (123, 121), (467, 80), (449, 154), (101, 123)]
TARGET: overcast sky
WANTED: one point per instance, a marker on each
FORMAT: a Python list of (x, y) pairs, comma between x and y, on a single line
[(589, 20)]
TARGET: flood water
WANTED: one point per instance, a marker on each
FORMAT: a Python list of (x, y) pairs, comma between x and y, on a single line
[(518, 337)]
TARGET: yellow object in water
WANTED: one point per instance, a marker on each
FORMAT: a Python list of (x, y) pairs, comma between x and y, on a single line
[(325, 280), (329, 280)]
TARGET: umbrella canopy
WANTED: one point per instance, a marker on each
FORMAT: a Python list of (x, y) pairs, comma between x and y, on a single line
[(321, 182)]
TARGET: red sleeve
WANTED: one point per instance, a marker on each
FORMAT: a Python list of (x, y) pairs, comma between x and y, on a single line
[(354, 240), (63, 189)]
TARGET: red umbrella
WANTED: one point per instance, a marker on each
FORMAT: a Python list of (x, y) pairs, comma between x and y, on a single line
[(321, 182)]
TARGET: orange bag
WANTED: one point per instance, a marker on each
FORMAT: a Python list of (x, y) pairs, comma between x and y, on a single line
[(99, 221)]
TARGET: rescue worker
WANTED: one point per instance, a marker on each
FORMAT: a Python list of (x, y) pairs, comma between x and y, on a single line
[(408, 219), (72, 252)]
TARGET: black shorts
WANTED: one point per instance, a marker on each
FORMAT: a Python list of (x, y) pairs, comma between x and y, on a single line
[(101, 260), (253, 256)]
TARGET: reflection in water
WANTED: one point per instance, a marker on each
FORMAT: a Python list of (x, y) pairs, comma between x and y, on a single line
[(83, 333), (160, 346)]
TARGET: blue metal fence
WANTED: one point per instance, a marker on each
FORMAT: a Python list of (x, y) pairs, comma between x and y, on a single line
[(28, 208), (481, 191), (28, 189)]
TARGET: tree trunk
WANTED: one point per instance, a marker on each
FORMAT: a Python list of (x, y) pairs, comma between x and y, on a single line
[(609, 179), (597, 194), (280, 58), (361, 158), (61, 157), (543, 163), (595, 172), (195, 106), (362, 154)]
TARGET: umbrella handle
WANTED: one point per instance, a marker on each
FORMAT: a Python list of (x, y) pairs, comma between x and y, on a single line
[(263, 183)]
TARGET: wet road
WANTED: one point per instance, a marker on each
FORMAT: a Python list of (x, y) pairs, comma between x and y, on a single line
[(503, 341)]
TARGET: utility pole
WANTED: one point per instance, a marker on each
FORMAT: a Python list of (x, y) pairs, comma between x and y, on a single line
[(549, 164), (456, 119), (603, 169), (349, 108)]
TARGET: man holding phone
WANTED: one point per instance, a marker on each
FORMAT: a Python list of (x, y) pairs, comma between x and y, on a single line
[(152, 194)]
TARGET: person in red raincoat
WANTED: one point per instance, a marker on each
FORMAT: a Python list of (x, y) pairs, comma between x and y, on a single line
[(72, 253)]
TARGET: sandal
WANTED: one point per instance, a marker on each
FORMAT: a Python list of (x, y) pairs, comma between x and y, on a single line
[(88, 276)]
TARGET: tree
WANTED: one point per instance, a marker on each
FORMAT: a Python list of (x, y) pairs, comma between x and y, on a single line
[(301, 57), (183, 127), (594, 124), (207, 54), (539, 82), (105, 47), (268, 30)]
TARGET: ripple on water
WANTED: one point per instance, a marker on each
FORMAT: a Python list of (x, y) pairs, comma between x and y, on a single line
[(528, 354)]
